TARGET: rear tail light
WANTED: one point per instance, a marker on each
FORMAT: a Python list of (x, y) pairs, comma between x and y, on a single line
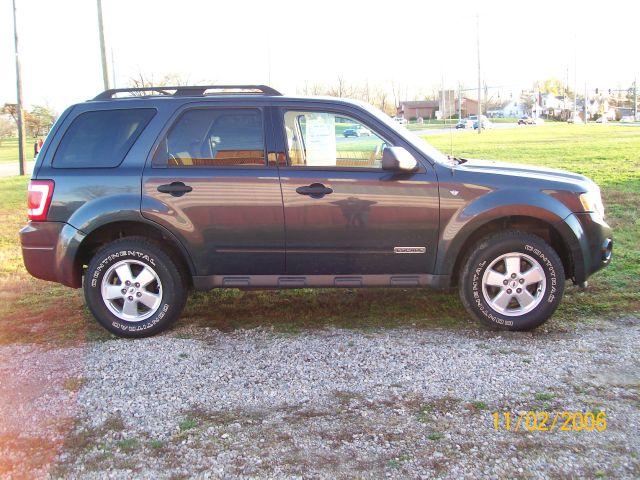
[(39, 196)]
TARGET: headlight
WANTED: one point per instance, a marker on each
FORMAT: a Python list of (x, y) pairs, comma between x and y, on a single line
[(592, 202)]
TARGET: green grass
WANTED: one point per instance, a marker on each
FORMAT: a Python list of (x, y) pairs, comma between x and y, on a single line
[(9, 149), (188, 424), (544, 396), (609, 154)]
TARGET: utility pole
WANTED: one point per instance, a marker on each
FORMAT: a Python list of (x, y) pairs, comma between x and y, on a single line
[(20, 113), (585, 111), (575, 79), (103, 55), (113, 70), (635, 99), (479, 75), (459, 101)]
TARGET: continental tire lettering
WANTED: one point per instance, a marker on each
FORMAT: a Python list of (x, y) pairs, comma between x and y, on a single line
[(115, 256), (138, 327)]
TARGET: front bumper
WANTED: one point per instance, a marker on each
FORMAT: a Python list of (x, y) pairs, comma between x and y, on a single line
[(594, 244), (49, 251)]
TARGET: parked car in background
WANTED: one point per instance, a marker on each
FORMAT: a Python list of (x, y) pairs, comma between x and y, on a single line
[(356, 131), (526, 120), (465, 123), (485, 124), (401, 120), (575, 119), (140, 199), (627, 119)]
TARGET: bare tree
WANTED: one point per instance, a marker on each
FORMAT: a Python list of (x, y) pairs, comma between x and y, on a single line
[(11, 109), (142, 80), (7, 128), (383, 102), (341, 88), (395, 91)]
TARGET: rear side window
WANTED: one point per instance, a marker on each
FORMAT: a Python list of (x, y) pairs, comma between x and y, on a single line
[(101, 139), (208, 137)]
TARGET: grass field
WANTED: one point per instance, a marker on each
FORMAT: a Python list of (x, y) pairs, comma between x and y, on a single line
[(9, 149), (32, 310)]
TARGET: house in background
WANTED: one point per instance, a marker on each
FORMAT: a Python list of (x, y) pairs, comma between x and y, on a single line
[(430, 109), (418, 108), (511, 109)]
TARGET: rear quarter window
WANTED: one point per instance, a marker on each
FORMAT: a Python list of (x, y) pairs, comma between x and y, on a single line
[(101, 138)]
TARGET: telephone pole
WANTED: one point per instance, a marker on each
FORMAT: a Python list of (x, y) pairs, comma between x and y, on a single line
[(575, 78), (20, 114), (635, 99), (103, 55), (479, 75)]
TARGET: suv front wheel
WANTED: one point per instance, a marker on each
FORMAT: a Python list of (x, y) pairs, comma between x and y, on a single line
[(133, 288), (512, 281)]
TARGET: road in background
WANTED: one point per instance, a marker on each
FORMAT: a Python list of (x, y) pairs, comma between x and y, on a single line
[(11, 169)]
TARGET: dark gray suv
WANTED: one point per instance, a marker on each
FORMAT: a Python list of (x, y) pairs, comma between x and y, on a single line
[(141, 194)]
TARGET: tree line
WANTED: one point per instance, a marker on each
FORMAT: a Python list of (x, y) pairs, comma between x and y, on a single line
[(37, 121)]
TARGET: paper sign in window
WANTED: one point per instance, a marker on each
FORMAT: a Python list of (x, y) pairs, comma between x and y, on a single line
[(320, 139)]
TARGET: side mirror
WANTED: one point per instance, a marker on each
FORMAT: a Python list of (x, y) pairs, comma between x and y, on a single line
[(398, 159)]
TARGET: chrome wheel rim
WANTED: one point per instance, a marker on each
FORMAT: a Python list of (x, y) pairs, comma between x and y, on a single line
[(131, 290), (514, 284)]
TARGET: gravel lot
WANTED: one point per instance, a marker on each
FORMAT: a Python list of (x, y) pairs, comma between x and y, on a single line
[(340, 403)]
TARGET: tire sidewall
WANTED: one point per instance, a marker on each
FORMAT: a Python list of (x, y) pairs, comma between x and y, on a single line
[(553, 271), (93, 290)]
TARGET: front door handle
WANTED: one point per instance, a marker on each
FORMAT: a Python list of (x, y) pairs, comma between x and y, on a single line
[(177, 189), (315, 190)]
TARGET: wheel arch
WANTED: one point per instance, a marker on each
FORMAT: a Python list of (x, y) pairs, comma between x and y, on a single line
[(108, 232), (536, 226)]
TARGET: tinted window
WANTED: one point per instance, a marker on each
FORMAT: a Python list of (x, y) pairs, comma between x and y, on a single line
[(214, 138), (319, 139), (101, 139)]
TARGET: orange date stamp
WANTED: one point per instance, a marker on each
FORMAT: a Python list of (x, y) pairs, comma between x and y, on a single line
[(541, 421)]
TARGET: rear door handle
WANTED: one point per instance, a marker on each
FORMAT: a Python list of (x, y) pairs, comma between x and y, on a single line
[(177, 189), (315, 190)]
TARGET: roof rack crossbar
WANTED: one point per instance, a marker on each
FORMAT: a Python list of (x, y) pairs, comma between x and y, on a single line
[(191, 90)]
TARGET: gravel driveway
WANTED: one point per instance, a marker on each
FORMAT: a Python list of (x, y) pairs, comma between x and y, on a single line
[(336, 403)]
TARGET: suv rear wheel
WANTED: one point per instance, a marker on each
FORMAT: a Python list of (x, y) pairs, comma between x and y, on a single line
[(512, 281), (133, 288)]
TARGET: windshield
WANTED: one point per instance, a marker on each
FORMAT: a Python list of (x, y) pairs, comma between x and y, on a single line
[(415, 140)]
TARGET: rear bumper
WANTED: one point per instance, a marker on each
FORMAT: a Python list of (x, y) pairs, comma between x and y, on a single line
[(594, 244), (49, 251)]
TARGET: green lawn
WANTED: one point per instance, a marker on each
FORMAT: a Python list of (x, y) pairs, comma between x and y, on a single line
[(609, 154), (433, 123), (32, 310), (9, 149)]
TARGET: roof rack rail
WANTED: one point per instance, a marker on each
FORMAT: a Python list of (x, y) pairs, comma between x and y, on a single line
[(192, 90)]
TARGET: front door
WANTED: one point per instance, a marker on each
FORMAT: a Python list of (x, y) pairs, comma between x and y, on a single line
[(343, 213), (209, 183)]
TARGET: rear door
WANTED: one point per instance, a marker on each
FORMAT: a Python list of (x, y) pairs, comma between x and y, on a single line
[(210, 184), (344, 214)]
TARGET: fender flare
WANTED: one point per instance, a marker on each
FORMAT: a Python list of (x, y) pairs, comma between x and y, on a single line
[(497, 205), (110, 210)]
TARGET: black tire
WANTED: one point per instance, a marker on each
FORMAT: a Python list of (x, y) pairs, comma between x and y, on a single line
[(173, 292), (491, 248)]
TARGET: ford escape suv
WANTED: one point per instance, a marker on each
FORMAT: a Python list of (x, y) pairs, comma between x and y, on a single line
[(142, 194)]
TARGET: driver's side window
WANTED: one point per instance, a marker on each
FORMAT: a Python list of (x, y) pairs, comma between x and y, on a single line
[(323, 139)]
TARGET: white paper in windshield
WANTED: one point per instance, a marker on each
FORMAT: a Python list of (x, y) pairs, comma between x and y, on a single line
[(320, 139)]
